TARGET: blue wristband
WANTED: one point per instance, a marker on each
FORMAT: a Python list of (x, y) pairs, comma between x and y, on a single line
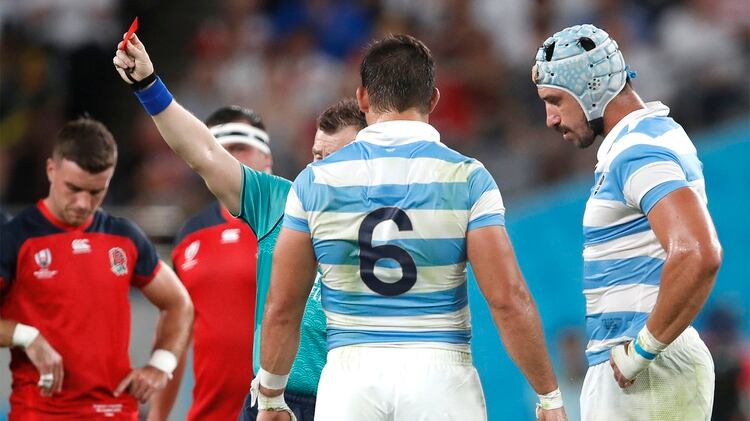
[(642, 352), (156, 98)]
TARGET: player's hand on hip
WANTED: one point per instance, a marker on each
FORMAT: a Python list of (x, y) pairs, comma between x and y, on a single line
[(133, 61), (274, 416), (626, 364), (142, 383), (49, 364), (557, 414)]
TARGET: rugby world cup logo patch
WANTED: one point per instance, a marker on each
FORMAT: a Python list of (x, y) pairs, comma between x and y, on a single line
[(190, 252), (118, 261), (43, 259)]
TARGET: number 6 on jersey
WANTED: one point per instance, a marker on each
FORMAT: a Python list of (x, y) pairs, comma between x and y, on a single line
[(369, 254)]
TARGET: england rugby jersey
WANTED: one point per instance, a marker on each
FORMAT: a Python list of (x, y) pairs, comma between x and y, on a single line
[(72, 283), (388, 217), (645, 157), (215, 257)]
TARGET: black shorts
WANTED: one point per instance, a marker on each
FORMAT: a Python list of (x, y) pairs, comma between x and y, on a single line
[(303, 407)]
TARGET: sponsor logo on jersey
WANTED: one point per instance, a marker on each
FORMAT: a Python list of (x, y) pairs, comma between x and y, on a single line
[(118, 261), (43, 259), (81, 245), (190, 252), (599, 184), (230, 235)]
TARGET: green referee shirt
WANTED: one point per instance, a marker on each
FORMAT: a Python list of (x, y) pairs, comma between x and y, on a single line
[(262, 204)]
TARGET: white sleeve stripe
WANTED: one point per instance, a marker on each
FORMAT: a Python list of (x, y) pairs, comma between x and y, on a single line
[(489, 202), (294, 206), (649, 176)]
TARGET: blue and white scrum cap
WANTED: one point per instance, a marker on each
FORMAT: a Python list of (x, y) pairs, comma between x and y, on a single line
[(243, 133), (585, 62)]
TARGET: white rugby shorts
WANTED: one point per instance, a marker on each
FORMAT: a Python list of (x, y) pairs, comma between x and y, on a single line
[(372, 383), (678, 385)]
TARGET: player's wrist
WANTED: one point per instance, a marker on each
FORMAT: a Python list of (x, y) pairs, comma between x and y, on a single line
[(163, 360), (156, 97), (24, 335), (647, 346), (551, 400)]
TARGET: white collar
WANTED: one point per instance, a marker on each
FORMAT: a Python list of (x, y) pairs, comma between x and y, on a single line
[(654, 108), (398, 132)]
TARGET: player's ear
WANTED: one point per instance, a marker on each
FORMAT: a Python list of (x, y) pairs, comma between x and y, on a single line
[(363, 99), (434, 100), (51, 165)]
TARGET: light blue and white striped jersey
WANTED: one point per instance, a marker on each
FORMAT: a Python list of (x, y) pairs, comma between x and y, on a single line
[(388, 216), (645, 157)]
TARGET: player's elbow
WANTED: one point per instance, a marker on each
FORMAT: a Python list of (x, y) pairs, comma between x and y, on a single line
[(705, 258), (513, 303)]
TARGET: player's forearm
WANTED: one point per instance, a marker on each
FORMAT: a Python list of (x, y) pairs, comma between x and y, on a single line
[(173, 329), (7, 327), (521, 331), (279, 339), (687, 278), (163, 401)]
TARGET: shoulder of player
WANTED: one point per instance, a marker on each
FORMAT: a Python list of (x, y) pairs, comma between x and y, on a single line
[(208, 217), (106, 223), (27, 224)]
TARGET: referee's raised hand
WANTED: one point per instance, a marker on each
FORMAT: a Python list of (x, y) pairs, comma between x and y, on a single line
[(132, 62)]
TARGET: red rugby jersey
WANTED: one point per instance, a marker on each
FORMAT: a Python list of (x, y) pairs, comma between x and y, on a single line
[(215, 257), (72, 284)]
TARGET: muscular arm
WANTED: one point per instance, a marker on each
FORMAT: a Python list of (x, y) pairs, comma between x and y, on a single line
[(291, 281), (187, 135), (176, 310), (513, 310), (686, 232), (194, 143)]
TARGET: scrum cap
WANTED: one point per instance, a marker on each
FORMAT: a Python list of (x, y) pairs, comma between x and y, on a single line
[(585, 62)]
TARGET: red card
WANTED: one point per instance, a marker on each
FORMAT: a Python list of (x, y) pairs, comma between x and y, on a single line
[(131, 31)]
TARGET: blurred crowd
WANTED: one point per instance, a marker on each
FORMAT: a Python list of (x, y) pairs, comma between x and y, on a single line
[(289, 59)]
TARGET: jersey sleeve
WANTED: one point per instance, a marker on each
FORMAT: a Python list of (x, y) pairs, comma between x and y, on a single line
[(485, 201), (646, 174), (295, 214), (147, 261), (262, 200)]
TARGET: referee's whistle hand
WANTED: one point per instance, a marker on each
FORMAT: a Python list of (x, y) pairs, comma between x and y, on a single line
[(49, 363), (142, 383)]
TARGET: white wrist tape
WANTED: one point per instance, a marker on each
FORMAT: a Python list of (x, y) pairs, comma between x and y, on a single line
[(551, 400), (272, 381), (24, 335), (164, 361), (269, 403), (639, 354), (648, 346)]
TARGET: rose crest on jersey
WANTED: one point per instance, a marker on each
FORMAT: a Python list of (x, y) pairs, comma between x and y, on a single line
[(118, 261)]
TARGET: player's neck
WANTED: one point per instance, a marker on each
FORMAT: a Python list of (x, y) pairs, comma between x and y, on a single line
[(408, 114), (620, 106)]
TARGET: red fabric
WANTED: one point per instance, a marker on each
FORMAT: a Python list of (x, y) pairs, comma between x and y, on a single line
[(73, 286), (217, 266)]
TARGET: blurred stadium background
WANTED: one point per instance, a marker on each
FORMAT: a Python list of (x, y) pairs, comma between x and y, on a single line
[(289, 59)]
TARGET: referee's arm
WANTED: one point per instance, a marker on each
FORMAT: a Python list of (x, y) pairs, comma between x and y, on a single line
[(185, 133)]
